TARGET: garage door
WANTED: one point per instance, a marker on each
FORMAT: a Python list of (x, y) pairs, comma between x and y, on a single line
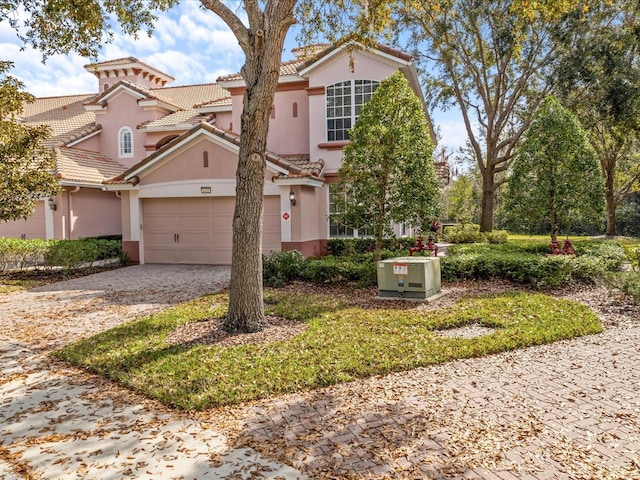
[(33, 227), (199, 230)]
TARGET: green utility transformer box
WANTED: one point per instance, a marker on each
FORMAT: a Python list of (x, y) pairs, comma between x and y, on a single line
[(409, 277)]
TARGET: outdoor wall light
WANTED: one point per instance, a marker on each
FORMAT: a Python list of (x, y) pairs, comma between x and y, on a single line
[(292, 197), (52, 204)]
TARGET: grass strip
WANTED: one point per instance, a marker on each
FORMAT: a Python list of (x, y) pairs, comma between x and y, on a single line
[(342, 342)]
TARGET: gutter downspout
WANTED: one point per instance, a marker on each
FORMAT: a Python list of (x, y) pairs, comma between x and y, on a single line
[(76, 189)]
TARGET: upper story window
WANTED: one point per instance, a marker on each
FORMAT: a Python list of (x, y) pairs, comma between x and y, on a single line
[(125, 142), (344, 101)]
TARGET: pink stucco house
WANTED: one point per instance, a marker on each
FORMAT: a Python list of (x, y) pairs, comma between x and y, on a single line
[(157, 163)]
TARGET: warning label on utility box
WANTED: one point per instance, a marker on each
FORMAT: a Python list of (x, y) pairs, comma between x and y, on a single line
[(400, 269)]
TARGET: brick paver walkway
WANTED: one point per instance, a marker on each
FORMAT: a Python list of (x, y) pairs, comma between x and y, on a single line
[(569, 410)]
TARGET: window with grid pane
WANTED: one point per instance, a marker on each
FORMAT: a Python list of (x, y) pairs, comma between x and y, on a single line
[(125, 142), (344, 101)]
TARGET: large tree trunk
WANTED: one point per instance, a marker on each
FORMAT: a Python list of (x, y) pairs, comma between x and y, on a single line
[(610, 199), (261, 73), (488, 199)]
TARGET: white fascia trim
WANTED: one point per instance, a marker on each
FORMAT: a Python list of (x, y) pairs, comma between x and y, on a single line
[(339, 50), (95, 108), (273, 168), (153, 103), (180, 127), (411, 75), (70, 183), (306, 181), (75, 142), (282, 79), (223, 108), (123, 87), (116, 187)]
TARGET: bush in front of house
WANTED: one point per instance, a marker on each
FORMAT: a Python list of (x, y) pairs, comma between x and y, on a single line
[(280, 268), (339, 247), (16, 254)]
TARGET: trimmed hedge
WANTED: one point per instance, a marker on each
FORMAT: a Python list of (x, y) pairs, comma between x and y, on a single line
[(524, 263), (68, 254), (528, 264), (470, 233), (351, 246)]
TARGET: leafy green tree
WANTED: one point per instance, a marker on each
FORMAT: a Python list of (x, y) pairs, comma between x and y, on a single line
[(388, 173), (462, 199), (490, 59), (62, 26), (599, 81), (26, 166), (555, 174)]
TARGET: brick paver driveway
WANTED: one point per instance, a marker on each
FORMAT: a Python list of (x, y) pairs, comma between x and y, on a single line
[(58, 422), (570, 410)]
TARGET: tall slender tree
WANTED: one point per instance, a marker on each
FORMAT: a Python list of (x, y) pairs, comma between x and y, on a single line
[(599, 81), (555, 174), (388, 174), (490, 59)]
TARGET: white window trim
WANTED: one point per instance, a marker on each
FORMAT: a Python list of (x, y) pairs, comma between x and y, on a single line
[(353, 104), (122, 154), (355, 234)]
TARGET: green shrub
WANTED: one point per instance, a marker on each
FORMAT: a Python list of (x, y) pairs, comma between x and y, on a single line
[(339, 247), (530, 264), (467, 233), (279, 268), (497, 236), (75, 254), (635, 258), (21, 254)]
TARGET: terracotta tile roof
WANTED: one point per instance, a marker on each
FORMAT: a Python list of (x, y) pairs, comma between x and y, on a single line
[(220, 102), (77, 165), (308, 170), (189, 96), (310, 54), (287, 68), (182, 118), (149, 94), (65, 116), (116, 62)]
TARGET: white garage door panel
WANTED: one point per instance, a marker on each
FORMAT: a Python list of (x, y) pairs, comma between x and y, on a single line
[(199, 230)]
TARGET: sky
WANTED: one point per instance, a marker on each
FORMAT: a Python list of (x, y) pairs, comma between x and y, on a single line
[(189, 43)]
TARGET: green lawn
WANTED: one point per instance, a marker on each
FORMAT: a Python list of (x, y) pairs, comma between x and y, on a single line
[(543, 238), (342, 342)]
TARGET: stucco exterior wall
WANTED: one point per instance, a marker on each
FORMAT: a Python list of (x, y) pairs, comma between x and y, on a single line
[(93, 213), (224, 119), (123, 110), (366, 66), (189, 164), (289, 134), (91, 143)]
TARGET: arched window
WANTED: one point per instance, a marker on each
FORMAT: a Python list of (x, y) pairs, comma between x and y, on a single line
[(125, 142), (344, 100)]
